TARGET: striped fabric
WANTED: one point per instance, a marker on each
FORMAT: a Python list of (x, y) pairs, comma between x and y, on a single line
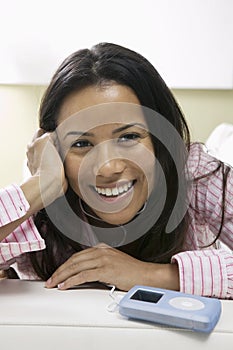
[(203, 271), (25, 237), (12, 197)]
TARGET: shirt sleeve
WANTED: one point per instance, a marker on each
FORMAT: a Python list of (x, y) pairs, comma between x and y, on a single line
[(208, 199), (25, 238), (209, 272), (206, 272), (13, 204)]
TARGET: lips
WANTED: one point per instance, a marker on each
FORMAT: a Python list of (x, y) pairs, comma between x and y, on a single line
[(117, 190)]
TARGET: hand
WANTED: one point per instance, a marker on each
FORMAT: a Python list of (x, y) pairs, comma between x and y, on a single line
[(111, 266), (48, 181)]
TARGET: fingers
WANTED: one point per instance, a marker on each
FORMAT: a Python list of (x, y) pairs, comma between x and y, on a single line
[(39, 132), (44, 161), (90, 275), (41, 139), (85, 266)]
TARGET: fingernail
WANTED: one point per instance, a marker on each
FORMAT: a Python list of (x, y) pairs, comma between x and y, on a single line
[(60, 285), (48, 282)]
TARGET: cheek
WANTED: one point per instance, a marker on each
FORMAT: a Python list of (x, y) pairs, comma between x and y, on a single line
[(145, 187), (72, 165), (148, 170)]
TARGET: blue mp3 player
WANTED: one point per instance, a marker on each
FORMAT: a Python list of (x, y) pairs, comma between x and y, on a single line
[(171, 308)]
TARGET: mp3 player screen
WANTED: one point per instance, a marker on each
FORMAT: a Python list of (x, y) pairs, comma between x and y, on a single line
[(147, 296)]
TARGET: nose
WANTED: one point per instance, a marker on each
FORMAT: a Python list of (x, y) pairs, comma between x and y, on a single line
[(107, 162), (110, 168)]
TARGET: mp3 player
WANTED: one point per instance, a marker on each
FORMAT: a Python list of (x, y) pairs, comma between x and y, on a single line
[(171, 308)]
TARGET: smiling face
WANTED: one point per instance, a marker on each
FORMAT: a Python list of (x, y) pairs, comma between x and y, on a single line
[(107, 150)]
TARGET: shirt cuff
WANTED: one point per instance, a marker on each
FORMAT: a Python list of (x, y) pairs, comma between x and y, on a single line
[(205, 272), (25, 238), (13, 204)]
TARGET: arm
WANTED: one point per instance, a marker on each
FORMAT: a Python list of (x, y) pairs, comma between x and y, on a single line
[(19, 234), (46, 184), (13, 209), (17, 204), (208, 271)]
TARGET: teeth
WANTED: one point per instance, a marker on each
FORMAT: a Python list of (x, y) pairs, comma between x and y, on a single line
[(121, 189), (114, 191), (108, 192)]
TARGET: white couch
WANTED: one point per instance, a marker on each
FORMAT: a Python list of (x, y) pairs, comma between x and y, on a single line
[(33, 317), (220, 143)]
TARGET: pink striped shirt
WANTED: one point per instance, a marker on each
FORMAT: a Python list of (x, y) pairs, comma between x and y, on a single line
[(209, 271), (25, 238), (202, 271)]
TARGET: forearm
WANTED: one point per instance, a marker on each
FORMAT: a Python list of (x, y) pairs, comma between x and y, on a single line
[(7, 229), (18, 204), (14, 209), (32, 192)]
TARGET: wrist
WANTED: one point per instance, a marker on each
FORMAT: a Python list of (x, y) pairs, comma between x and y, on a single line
[(164, 276), (31, 190)]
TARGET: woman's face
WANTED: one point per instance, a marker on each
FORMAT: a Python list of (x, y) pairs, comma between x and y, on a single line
[(107, 150)]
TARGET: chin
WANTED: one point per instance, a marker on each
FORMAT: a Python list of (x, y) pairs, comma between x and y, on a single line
[(116, 219)]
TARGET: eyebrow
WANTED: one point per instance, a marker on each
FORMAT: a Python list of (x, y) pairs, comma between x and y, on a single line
[(127, 126), (122, 128), (78, 133)]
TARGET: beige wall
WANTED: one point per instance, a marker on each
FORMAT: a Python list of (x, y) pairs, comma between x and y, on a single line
[(18, 121), (204, 109)]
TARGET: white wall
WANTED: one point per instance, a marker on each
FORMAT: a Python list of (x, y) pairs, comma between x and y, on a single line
[(188, 41)]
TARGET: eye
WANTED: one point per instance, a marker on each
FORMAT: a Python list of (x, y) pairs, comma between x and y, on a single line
[(129, 138), (81, 144)]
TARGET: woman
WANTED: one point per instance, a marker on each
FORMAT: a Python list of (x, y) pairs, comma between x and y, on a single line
[(134, 202)]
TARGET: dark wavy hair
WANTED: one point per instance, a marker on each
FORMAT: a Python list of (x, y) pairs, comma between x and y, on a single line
[(104, 64)]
